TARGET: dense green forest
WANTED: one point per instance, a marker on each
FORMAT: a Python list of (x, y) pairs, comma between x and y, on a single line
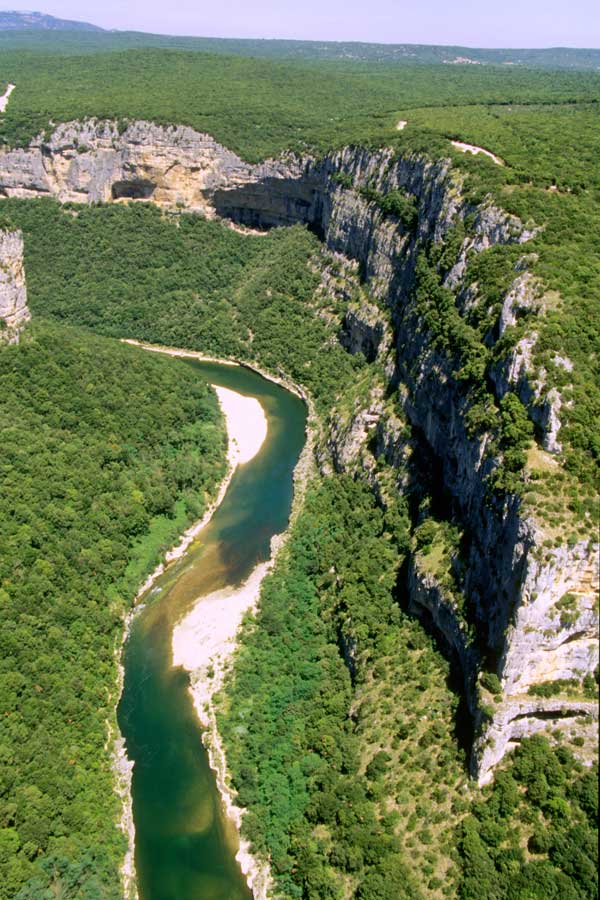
[(108, 452), (320, 803), (129, 271), (544, 126), (534, 834), (83, 41), (351, 773), (260, 107)]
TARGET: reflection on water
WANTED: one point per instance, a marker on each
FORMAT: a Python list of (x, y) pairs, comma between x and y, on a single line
[(185, 846)]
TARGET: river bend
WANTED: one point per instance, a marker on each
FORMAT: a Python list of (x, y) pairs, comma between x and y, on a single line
[(185, 846)]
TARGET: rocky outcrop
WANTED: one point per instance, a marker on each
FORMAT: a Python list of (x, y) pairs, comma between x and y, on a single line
[(515, 372), (517, 717), (437, 609), (513, 584), (93, 162), (14, 312)]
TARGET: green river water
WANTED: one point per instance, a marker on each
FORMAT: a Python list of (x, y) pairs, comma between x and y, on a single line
[(185, 847)]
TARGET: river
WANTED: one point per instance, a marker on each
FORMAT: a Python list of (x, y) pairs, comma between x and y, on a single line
[(185, 846)]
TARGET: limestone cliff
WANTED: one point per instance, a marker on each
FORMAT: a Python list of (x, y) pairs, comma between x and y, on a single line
[(512, 582), (13, 295), (98, 161)]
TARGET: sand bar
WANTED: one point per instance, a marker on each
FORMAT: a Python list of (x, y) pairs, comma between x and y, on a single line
[(246, 425), (205, 639)]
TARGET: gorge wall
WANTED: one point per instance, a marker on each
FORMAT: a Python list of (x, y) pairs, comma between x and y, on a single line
[(14, 312), (512, 580)]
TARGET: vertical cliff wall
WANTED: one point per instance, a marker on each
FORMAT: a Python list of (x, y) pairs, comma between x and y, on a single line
[(512, 583), (14, 312)]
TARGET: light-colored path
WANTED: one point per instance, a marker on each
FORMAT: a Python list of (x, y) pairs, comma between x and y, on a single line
[(5, 97), (472, 148)]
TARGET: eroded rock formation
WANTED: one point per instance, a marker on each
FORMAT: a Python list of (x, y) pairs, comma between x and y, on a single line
[(14, 312)]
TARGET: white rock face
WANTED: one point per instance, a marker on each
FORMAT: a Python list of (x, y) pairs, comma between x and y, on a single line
[(14, 312), (513, 583), (548, 641), (94, 161), (518, 717)]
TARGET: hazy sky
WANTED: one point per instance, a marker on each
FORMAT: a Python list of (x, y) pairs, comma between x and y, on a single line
[(478, 23)]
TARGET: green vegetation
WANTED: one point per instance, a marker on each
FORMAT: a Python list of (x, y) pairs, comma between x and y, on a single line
[(462, 344), (553, 688), (347, 779), (363, 792), (78, 42), (490, 682), (396, 204), (107, 453), (534, 834), (261, 107), (128, 271), (568, 609), (573, 687), (544, 127), (437, 551), (550, 181)]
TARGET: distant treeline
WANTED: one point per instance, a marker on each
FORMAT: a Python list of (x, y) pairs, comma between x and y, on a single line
[(260, 107), (92, 41)]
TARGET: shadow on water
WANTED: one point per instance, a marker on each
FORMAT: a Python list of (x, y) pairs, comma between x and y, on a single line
[(185, 846)]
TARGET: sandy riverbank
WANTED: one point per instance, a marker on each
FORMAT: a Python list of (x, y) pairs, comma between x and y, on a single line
[(193, 644), (246, 426), (203, 643), (205, 640)]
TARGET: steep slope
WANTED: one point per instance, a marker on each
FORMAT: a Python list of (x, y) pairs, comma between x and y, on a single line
[(14, 312)]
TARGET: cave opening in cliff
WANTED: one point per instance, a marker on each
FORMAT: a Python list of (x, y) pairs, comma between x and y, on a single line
[(136, 189), (274, 203)]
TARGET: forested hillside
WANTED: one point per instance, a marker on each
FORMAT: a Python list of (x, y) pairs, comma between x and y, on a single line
[(60, 37), (375, 804), (258, 107), (129, 271), (107, 453)]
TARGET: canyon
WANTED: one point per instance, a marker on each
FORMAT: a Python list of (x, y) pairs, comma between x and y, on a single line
[(514, 578)]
